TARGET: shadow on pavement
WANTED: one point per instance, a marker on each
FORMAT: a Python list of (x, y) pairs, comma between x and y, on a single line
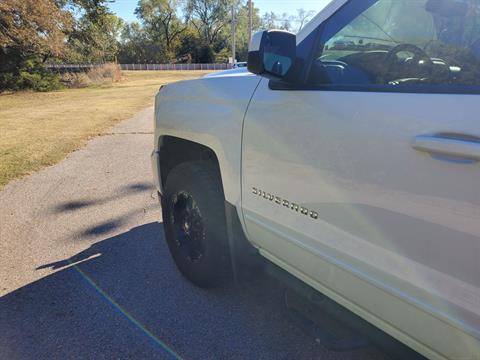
[(75, 205), (122, 298)]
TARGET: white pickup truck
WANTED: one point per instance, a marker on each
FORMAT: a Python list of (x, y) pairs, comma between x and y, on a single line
[(349, 157)]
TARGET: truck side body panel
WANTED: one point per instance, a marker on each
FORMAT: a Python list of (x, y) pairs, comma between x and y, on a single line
[(209, 112)]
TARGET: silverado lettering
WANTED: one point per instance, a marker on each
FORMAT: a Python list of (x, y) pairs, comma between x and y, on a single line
[(286, 203)]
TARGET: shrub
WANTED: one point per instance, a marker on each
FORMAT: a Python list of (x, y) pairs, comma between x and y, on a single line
[(32, 75), (76, 80), (39, 81), (107, 73), (29, 74)]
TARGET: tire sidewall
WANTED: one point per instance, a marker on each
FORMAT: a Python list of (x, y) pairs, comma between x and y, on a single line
[(199, 181)]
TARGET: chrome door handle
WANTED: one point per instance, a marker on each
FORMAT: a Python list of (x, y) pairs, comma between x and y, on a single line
[(448, 147)]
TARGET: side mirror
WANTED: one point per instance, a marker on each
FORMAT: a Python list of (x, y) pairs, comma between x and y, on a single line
[(272, 54)]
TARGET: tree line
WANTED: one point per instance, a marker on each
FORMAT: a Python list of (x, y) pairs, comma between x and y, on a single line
[(34, 33), (197, 31)]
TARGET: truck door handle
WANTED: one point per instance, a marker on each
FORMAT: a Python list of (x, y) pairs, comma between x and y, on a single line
[(449, 148)]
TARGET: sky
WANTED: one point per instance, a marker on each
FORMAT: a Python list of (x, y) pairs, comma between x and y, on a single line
[(125, 8)]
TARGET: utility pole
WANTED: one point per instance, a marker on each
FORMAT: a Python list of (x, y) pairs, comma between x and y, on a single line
[(250, 20), (234, 35)]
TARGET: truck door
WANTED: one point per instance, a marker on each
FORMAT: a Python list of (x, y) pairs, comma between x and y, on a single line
[(363, 178)]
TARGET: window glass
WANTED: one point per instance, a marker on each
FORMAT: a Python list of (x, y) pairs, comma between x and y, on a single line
[(404, 44)]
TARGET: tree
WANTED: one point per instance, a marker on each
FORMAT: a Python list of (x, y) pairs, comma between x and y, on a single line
[(293, 23), (285, 22), (95, 41), (192, 48), (31, 32), (242, 30), (209, 17), (269, 21), (303, 17), (95, 31), (113, 29), (161, 21), (94, 10), (137, 47), (33, 26)]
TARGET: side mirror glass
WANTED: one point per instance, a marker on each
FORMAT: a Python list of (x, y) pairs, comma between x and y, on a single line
[(272, 54)]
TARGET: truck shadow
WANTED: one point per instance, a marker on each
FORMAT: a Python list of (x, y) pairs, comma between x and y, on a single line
[(123, 298)]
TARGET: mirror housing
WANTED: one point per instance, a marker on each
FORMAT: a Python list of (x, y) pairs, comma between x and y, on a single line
[(272, 54)]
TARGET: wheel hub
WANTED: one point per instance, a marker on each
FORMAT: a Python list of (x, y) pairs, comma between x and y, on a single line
[(188, 226)]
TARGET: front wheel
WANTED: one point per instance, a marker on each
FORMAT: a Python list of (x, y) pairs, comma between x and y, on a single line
[(195, 227)]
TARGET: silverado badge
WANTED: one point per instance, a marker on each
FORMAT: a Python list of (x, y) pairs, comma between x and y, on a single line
[(285, 203)]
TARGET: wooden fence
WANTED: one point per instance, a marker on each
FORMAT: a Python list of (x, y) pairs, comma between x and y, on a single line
[(62, 68)]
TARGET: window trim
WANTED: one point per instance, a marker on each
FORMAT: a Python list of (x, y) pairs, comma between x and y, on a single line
[(278, 85), (319, 34)]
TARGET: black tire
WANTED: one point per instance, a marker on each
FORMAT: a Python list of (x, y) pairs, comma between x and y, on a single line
[(195, 226)]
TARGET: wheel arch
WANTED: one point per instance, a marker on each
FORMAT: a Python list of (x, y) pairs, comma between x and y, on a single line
[(174, 151)]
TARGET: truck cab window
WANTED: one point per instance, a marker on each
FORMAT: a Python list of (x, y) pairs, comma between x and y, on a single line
[(410, 44)]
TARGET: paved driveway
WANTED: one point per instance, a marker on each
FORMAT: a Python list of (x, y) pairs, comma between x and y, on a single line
[(85, 273)]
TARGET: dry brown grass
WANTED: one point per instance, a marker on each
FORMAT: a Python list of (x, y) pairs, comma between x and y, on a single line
[(106, 74), (40, 129)]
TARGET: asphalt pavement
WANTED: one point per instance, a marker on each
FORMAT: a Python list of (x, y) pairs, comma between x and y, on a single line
[(85, 271)]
